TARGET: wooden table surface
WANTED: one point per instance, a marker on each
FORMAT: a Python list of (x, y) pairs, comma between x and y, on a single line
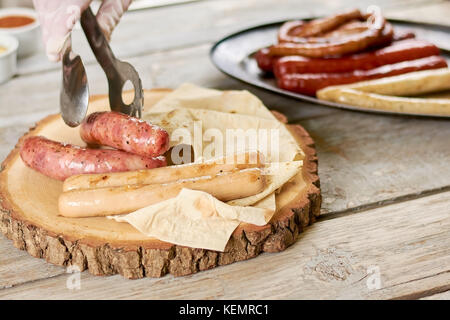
[(385, 225)]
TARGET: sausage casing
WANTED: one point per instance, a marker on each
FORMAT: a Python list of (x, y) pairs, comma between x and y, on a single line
[(125, 133), (125, 199), (397, 52), (60, 161)]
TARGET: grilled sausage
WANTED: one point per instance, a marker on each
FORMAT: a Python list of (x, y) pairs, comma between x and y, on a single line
[(303, 40), (124, 199), (125, 133), (60, 161), (397, 52), (167, 174)]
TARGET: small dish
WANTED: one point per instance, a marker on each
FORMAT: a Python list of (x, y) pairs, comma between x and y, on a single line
[(23, 24), (8, 57)]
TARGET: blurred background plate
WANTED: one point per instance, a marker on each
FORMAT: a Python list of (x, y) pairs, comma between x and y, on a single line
[(233, 55)]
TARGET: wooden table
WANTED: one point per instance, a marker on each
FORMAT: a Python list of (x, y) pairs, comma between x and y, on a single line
[(384, 229)]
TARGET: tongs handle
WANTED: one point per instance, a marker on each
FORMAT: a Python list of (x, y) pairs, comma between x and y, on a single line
[(98, 43), (118, 72)]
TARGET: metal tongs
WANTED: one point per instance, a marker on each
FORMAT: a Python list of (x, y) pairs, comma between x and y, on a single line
[(74, 97)]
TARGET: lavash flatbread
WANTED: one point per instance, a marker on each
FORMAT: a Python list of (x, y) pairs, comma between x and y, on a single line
[(195, 111), (195, 219)]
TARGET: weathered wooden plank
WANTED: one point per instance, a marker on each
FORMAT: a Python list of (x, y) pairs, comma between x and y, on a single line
[(145, 31), (406, 246), (366, 158), (431, 13), (438, 296), (17, 266)]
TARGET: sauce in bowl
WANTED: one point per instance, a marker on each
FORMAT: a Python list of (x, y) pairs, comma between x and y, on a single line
[(15, 21), (2, 50)]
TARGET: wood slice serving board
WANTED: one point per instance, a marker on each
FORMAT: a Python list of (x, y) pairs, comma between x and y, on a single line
[(29, 217)]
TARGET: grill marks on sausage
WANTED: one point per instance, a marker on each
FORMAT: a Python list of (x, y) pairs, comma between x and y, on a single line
[(60, 161), (141, 147), (307, 40), (126, 133)]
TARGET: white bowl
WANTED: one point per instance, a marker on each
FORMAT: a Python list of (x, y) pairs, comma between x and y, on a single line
[(29, 36), (8, 59)]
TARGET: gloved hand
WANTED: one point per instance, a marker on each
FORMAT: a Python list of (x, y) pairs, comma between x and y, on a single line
[(58, 18)]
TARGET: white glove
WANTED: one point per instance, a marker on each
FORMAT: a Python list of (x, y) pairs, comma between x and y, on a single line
[(58, 18)]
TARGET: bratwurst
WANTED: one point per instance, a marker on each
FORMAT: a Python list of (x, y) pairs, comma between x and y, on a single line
[(120, 131), (60, 161)]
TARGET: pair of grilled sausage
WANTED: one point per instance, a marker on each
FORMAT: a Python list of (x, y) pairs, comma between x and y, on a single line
[(138, 145)]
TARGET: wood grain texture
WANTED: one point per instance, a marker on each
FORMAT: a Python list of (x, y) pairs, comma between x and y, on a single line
[(438, 296), (17, 267), (368, 159), (425, 12), (329, 261)]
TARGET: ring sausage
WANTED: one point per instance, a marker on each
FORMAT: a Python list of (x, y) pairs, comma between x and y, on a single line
[(301, 43), (125, 133), (60, 161), (298, 31)]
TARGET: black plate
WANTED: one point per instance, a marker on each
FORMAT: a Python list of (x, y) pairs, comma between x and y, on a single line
[(233, 56)]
